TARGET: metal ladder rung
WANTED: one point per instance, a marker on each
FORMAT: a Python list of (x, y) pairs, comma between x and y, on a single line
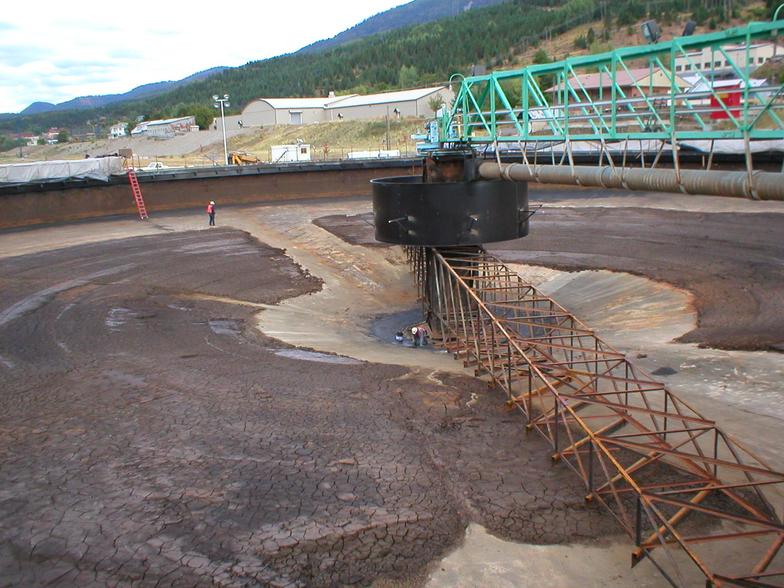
[(136, 190)]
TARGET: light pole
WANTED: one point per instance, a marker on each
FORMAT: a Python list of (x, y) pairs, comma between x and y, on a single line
[(219, 102), (396, 112), (387, 127)]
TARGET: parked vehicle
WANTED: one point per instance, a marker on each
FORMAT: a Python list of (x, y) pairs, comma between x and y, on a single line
[(154, 166)]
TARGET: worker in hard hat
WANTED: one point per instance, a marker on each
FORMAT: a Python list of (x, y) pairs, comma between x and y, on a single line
[(419, 335), (211, 212), (422, 334)]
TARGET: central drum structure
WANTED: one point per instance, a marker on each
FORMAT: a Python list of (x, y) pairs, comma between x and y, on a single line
[(449, 205)]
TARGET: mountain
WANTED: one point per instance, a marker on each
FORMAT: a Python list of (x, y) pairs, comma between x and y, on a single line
[(416, 12), (37, 107), (426, 53), (139, 92), (415, 55)]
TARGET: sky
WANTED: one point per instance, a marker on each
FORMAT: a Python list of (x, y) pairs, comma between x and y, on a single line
[(52, 51)]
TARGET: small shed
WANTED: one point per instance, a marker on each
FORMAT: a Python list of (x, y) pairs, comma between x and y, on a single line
[(290, 153)]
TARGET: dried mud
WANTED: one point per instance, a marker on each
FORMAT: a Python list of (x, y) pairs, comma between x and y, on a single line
[(732, 264), (150, 435)]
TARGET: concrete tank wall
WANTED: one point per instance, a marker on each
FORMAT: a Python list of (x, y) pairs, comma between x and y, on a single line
[(30, 208)]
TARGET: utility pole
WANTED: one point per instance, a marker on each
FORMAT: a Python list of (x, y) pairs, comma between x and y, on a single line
[(219, 102), (387, 127)]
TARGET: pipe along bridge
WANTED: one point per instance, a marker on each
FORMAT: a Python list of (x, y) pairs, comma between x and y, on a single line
[(628, 96), (691, 498)]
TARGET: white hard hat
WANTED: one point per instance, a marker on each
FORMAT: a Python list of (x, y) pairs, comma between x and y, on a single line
[(413, 330), (212, 202)]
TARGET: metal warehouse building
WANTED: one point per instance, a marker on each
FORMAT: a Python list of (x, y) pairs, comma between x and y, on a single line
[(402, 103), (286, 111), (165, 128), (301, 111)]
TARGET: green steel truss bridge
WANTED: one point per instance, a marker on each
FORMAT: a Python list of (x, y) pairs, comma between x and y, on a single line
[(660, 95), (556, 105)]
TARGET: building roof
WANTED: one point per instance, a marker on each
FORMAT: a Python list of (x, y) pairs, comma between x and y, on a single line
[(168, 121), (385, 97), (594, 81), (290, 103), (140, 128), (700, 84), (732, 48)]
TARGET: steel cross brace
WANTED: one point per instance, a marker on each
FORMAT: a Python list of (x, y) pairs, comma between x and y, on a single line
[(671, 477)]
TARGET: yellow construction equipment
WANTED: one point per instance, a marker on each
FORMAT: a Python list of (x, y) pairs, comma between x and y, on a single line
[(242, 158)]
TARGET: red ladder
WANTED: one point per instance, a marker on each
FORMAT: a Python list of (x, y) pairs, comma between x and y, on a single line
[(137, 194)]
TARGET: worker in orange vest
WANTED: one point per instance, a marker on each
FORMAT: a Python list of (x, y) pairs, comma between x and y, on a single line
[(211, 212)]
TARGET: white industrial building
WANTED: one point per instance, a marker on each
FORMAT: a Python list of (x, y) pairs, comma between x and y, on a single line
[(165, 128), (118, 130), (712, 60), (286, 111), (302, 111)]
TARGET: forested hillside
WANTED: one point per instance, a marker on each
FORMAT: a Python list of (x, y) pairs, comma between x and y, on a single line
[(144, 91), (411, 56), (416, 12)]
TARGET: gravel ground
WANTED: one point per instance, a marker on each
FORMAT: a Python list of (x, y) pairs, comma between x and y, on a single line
[(206, 142)]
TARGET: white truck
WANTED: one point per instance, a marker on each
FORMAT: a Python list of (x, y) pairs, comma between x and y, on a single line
[(154, 166)]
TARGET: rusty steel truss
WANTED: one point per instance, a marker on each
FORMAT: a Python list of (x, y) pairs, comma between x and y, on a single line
[(687, 493)]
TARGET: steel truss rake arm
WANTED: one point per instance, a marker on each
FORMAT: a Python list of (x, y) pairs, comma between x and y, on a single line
[(623, 433)]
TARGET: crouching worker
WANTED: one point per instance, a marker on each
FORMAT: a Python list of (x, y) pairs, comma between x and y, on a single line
[(419, 335)]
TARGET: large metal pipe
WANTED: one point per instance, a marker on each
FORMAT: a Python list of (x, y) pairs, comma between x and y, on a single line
[(735, 184)]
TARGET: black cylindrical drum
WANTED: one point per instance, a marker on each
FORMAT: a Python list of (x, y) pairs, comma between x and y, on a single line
[(408, 211)]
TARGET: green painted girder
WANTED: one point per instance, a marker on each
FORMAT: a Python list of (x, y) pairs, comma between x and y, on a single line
[(553, 103)]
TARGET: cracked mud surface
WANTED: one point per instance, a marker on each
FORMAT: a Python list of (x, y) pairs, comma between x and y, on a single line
[(150, 435), (730, 262)]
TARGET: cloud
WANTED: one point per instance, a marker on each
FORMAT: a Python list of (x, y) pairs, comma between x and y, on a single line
[(20, 55), (83, 65), (123, 54), (49, 55)]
